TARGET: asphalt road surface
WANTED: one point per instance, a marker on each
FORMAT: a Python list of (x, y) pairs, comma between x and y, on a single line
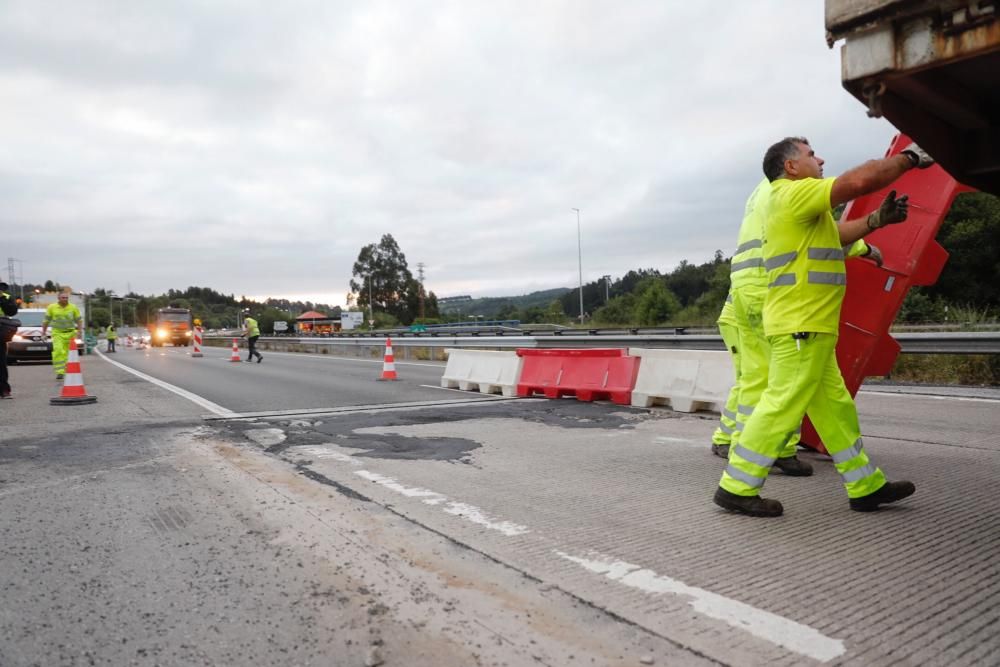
[(298, 511)]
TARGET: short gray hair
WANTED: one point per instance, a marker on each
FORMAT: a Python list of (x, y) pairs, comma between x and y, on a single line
[(774, 158)]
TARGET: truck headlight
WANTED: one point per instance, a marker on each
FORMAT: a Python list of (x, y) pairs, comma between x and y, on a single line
[(187, 333)]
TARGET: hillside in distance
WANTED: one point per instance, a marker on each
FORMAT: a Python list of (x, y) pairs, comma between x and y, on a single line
[(489, 307)]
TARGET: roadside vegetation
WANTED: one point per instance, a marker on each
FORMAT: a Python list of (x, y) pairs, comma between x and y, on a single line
[(966, 297)]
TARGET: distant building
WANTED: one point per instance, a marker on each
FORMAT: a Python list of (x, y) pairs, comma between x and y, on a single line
[(313, 323)]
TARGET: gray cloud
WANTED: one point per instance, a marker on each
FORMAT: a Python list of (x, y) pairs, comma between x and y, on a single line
[(255, 149)]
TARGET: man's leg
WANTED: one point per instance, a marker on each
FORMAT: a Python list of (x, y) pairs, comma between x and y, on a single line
[(723, 436), (748, 307), (60, 351), (4, 376), (791, 383), (835, 417)]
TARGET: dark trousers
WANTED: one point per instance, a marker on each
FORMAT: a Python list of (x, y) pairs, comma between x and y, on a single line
[(252, 347), (111, 345), (4, 384)]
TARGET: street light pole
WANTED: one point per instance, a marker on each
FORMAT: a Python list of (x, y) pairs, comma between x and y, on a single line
[(579, 259), (371, 313)]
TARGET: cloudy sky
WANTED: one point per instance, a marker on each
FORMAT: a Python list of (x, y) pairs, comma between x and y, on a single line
[(255, 147)]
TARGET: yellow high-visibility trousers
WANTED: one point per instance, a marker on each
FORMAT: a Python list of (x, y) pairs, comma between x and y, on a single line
[(60, 349), (724, 434), (804, 380), (755, 350)]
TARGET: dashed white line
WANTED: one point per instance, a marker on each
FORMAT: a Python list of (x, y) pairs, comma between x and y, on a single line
[(776, 629)]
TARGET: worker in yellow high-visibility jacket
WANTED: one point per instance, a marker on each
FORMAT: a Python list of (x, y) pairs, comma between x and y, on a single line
[(722, 439), (66, 322), (747, 291), (803, 254)]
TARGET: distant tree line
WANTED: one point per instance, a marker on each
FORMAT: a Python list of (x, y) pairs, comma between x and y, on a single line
[(691, 294)]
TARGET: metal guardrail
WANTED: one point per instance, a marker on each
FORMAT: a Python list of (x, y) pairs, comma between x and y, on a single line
[(986, 342)]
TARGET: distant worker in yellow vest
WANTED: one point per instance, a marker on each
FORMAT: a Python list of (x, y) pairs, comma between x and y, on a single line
[(803, 254), (747, 291), (252, 332), (112, 337), (66, 322)]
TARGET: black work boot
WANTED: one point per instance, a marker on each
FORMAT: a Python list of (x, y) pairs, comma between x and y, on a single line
[(790, 465), (722, 451), (752, 505), (889, 493)]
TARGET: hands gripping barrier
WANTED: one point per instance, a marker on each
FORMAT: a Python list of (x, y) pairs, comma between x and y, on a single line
[(591, 374), (486, 371), (874, 295)]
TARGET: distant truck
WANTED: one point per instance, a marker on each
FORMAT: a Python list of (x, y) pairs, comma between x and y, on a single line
[(172, 325), (932, 69)]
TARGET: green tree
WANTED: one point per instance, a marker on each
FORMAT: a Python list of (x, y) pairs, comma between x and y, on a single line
[(971, 235), (555, 313), (618, 311), (656, 304), (391, 283)]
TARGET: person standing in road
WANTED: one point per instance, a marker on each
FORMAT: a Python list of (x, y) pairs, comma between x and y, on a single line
[(252, 332), (112, 337), (66, 322), (9, 308), (804, 256), (747, 291)]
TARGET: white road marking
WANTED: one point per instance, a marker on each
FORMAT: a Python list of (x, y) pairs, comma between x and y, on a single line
[(779, 630), (463, 510), (183, 393), (321, 452), (930, 396), (465, 391)]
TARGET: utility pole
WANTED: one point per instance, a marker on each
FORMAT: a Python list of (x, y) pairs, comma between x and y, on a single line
[(579, 259), (12, 276), (607, 289), (420, 279)]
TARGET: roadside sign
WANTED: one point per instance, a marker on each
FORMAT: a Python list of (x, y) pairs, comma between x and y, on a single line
[(281, 326)]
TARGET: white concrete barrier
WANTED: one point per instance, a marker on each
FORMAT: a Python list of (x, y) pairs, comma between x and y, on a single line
[(483, 370), (687, 380)]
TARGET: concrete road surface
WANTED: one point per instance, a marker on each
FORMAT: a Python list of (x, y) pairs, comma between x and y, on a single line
[(357, 522)]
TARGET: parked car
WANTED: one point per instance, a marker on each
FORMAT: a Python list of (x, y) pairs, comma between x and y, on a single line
[(28, 343)]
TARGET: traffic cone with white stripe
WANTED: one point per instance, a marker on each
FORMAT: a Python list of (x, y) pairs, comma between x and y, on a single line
[(197, 342), (73, 391), (235, 356), (388, 363)]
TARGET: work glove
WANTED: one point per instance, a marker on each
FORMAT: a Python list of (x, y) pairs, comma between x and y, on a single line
[(918, 156), (874, 254), (890, 212)]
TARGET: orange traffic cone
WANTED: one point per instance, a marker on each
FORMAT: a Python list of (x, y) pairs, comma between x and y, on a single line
[(388, 363), (235, 356), (73, 392)]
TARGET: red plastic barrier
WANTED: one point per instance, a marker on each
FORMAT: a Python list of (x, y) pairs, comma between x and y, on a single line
[(595, 374), (874, 295)]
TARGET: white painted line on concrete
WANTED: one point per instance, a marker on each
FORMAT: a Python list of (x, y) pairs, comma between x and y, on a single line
[(463, 510), (428, 497), (183, 393), (779, 630), (467, 392), (321, 452), (933, 397), (475, 515)]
